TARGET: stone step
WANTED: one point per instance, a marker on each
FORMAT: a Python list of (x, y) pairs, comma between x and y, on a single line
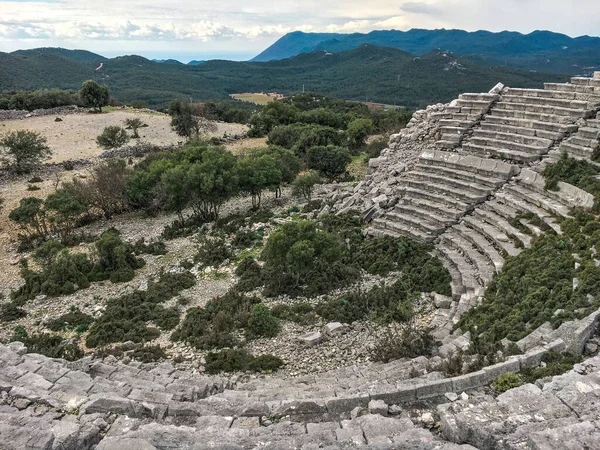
[(415, 195), (467, 271), (470, 96), (504, 154), (484, 270), (535, 116), (443, 187), (594, 123), (581, 81), (579, 139), (509, 145), (512, 137), (522, 205), (453, 130), (553, 126), (589, 132), (556, 94), (443, 179), (481, 242), (539, 109), (523, 131), (573, 149), (395, 229), (502, 224), (541, 200), (567, 87), (500, 238), (468, 163), (444, 211), (470, 177), (551, 102), (447, 144), (429, 227), (456, 123), (452, 109), (457, 286), (439, 213), (482, 105)]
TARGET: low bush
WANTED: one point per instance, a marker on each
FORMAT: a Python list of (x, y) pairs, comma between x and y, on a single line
[(126, 318), (148, 354), (214, 325), (556, 364), (9, 312), (73, 320), (239, 360), (507, 381), (112, 137), (262, 323), (411, 342), (53, 346), (246, 239), (213, 252), (249, 274), (153, 248)]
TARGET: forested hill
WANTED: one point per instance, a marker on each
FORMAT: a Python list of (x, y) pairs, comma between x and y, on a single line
[(540, 50), (378, 74)]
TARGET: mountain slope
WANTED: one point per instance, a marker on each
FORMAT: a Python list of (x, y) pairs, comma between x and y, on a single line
[(74, 55), (379, 74), (540, 50)]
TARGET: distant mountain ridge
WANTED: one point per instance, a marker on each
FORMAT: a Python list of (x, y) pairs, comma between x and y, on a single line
[(377, 74), (539, 50)]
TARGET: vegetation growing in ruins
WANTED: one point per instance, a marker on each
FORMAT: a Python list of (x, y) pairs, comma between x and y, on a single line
[(64, 272), (537, 286), (239, 360), (126, 318)]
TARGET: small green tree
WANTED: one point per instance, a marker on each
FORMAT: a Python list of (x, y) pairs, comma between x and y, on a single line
[(304, 185), (134, 124), (173, 186), (256, 174), (23, 150), (357, 132), (112, 137), (30, 216), (262, 323), (330, 161), (93, 95), (189, 119)]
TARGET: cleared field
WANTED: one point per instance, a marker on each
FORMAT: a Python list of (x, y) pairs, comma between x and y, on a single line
[(258, 98)]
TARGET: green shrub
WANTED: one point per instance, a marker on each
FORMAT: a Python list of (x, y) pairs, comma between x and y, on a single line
[(213, 252), (304, 185), (411, 342), (556, 364), (116, 259), (507, 381), (74, 320), (148, 354), (112, 137), (239, 360), (11, 312), (153, 248), (249, 274), (53, 346), (125, 318), (262, 323), (246, 239), (19, 334), (330, 161)]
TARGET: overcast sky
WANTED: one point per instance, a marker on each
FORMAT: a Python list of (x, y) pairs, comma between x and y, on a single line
[(234, 29)]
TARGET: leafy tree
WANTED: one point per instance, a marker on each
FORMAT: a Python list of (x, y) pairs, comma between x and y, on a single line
[(93, 95), (189, 119), (112, 137), (174, 189), (273, 114), (357, 132), (23, 150), (135, 124), (330, 161), (30, 216), (105, 187), (303, 185), (212, 182), (62, 210), (256, 174)]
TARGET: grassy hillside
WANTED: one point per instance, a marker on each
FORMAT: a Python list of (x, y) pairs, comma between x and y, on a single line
[(541, 50), (377, 74)]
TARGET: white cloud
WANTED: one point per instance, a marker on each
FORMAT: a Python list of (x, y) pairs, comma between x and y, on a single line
[(140, 25)]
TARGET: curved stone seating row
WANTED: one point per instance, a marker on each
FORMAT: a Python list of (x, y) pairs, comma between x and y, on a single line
[(461, 115), (443, 187), (31, 417), (581, 144), (524, 124)]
